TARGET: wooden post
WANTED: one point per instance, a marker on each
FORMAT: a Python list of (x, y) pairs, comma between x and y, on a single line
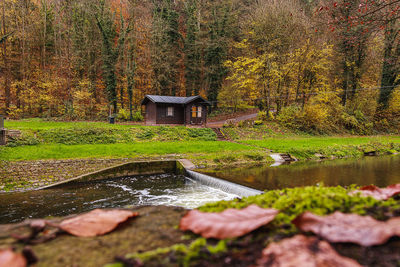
[(3, 137), (3, 132)]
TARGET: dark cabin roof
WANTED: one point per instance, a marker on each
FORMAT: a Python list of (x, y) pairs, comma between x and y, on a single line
[(172, 99)]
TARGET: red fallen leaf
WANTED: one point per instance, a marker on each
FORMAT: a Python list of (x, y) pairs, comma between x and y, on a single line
[(353, 228), (227, 224), (9, 258), (378, 193), (96, 222), (303, 251)]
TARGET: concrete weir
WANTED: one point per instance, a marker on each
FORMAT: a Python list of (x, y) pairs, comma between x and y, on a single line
[(182, 166), (223, 185)]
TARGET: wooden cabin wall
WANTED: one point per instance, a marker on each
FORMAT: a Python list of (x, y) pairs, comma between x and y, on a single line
[(162, 117)]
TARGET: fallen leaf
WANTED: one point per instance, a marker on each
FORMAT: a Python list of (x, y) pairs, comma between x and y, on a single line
[(227, 224), (303, 251), (351, 228), (9, 258), (378, 193), (96, 222)]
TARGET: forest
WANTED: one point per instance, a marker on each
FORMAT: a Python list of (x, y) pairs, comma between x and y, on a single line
[(317, 66)]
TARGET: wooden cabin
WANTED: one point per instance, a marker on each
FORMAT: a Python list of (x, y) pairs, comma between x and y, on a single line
[(190, 110)]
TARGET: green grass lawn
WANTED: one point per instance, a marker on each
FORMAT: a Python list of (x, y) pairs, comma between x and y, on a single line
[(60, 151), (337, 146)]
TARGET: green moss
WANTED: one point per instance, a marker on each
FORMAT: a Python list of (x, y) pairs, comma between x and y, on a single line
[(182, 254), (319, 200)]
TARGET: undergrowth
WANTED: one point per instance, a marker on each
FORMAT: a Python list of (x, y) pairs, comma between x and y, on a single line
[(106, 135)]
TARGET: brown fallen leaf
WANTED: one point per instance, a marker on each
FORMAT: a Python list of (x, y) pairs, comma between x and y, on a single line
[(352, 228), (227, 224), (9, 258), (303, 251), (96, 222), (378, 193)]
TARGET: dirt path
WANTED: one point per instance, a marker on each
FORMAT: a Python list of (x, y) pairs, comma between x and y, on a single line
[(217, 124)]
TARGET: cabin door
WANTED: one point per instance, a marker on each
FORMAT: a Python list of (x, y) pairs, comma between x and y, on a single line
[(196, 116)]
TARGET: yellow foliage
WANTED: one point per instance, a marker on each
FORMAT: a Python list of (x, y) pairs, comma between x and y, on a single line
[(83, 101), (394, 102)]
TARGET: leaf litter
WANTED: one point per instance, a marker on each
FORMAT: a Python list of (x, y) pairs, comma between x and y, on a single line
[(349, 228), (303, 251), (377, 192), (227, 224)]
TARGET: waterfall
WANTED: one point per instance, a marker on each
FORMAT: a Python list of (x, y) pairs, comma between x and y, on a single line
[(223, 185)]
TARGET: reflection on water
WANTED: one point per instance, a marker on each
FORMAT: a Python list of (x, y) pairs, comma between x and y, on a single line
[(164, 189), (381, 171)]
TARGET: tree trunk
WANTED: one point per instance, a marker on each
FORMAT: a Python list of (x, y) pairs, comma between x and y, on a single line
[(389, 71), (7, 91)]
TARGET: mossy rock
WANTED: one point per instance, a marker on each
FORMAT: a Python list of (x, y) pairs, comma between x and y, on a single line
[(154, 227)]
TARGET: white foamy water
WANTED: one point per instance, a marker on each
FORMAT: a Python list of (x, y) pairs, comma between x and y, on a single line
[(190, 195)]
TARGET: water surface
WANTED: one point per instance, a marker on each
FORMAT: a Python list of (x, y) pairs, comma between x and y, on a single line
[(380, 171), (163, 189)]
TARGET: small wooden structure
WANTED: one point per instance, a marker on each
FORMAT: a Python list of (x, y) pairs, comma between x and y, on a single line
[(190, 110), (3, 132)]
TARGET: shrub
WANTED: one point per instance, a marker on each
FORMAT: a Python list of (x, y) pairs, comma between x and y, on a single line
[(14, 112), (315, 117), (264, 115), (26, 139), (75, 136), (145, 134), (204, 134), (137, 116), (246, 123), (226, 158), (256, 157), (290, 117), (230, 123), (357, 123), (123, 115)]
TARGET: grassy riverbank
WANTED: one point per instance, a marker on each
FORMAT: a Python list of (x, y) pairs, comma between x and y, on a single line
[(337, 147), (69, 140), (49, 149)]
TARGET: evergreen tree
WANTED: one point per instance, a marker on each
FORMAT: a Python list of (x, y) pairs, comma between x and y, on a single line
[(192, 50), (110, 53), (216, 52), (165, 47)]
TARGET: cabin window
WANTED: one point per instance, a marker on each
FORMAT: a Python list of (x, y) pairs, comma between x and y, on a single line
[(199, 109), (194, 112), (170, 111)]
